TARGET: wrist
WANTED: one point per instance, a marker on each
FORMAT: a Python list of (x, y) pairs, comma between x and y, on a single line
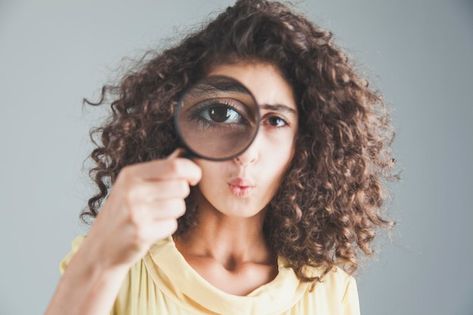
[(97, 263)]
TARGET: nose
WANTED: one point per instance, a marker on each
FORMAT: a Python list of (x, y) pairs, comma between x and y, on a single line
[(250, 155)]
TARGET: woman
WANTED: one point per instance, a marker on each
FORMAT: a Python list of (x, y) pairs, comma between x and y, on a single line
[(275, 230)]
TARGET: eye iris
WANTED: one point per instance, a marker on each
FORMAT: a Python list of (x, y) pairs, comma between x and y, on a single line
[(219, 113), (274, 120)]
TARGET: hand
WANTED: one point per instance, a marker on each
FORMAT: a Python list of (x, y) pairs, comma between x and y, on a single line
[(143, 207)]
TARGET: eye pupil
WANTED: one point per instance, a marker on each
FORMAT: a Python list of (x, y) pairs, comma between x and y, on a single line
[(274, 120), (219, 113)]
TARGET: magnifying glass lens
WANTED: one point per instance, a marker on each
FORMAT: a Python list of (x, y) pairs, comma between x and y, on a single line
[(217, 118)]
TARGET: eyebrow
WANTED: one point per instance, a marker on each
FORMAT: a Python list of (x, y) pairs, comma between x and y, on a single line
[(225, 85), (222, 84), (279, 108)]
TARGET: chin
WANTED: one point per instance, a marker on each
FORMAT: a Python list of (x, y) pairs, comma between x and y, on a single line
[(239, 214), (236, 209)]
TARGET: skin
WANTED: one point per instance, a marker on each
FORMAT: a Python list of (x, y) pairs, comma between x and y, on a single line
[(228, 247)]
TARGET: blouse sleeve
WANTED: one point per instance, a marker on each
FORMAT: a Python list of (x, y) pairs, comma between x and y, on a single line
[(75, 245), (350, 301)]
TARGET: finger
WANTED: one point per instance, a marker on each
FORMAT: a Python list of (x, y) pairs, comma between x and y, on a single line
[(170, 168), (159, 190), (176, 153), (163, 228), (163, 209)]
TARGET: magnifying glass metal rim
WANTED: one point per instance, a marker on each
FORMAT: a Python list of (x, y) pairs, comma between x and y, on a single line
[(190, 152)]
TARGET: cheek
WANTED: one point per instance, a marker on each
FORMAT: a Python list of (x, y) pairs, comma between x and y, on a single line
[(277, 164), (276, 168), (279, 153), (213, 175)]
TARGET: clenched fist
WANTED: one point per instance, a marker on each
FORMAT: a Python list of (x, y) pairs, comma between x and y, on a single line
[(143, 207)]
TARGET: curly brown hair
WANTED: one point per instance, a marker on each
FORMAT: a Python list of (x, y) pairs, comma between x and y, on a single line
[(329, 205)]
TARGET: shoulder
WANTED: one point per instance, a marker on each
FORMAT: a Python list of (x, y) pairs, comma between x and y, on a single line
[(337, 283), (336, 293), (340, 281)]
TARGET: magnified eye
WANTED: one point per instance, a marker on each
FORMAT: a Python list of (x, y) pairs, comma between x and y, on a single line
[(217, 113), (220, 113)]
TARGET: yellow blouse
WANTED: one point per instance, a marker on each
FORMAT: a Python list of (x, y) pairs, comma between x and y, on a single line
[(162, 282)]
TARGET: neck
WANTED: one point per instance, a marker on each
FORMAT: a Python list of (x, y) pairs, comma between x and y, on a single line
[(231, 241)]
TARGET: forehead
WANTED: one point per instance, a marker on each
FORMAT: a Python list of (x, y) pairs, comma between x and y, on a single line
[(264, 81)]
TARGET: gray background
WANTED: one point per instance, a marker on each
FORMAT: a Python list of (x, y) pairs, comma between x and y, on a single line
[(53, 53)]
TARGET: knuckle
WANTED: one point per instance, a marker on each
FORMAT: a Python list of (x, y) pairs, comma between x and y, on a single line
[(182, 204), (173, 225), (174, 166), (175, 208), (139, 235), (198, 171), (124, 178), (125, 172), (132, 217), (132, 193), (181, 207), (184, 188), (135, 215)]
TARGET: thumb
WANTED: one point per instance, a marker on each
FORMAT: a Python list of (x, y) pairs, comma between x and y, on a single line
[(176, 153), (180, 152)]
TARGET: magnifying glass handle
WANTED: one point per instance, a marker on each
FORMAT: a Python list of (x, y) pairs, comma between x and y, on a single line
[(187, 154), (181, 152)]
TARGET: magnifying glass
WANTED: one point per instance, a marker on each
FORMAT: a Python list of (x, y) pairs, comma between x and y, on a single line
[(217, 118)]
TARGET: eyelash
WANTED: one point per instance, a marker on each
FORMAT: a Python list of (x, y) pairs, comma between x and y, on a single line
[(280, 118), (204, 123), (228, 104)]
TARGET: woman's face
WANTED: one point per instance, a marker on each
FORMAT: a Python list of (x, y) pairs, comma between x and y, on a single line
[(263, 165)]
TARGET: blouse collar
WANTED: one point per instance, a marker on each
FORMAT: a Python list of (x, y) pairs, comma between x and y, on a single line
[(177, 278)]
